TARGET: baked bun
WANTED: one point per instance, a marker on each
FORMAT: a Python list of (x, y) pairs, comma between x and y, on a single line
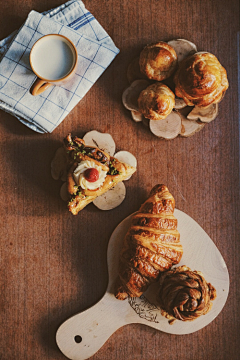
[(156, 101), (158, 61), (201, 80), (184, 294)]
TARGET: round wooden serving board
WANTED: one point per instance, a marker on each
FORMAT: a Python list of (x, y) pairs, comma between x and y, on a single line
[(84, 334)]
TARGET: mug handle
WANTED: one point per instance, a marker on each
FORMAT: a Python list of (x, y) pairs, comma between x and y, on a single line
[(39, 87)]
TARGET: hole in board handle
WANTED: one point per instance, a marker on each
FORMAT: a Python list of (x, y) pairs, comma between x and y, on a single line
[(78, 339)]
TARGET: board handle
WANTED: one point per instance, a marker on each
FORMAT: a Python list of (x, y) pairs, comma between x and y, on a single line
[(84, 334)]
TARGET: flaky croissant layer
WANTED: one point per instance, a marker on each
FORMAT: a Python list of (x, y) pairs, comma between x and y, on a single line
[(151, 245)]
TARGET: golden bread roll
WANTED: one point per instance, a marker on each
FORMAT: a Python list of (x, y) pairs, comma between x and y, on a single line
[(184, 294), (201, 80), (151, 245), (158, 61), (156, 101)]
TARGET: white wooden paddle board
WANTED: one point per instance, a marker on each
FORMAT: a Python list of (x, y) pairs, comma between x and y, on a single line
[(83, 335)]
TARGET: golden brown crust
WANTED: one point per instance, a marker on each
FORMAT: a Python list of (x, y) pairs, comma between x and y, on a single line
[(156, 101), (151, 245), (158, 61), (184, 294), (156, 222), (116, 171), (201, 80)]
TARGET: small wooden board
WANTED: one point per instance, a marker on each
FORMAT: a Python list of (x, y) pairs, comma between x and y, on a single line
[(84, 334)]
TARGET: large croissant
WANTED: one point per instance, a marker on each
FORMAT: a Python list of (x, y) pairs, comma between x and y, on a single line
[(151, 245)]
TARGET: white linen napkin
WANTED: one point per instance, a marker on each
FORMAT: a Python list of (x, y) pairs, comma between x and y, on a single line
[(96, 50)]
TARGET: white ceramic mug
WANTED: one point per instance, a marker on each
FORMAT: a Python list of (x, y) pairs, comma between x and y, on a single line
[(53, 58)]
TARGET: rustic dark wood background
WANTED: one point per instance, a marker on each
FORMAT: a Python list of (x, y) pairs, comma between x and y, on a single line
[(53, 264)]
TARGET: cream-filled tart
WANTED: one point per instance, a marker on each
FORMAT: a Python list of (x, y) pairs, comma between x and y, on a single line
[(91, 172)]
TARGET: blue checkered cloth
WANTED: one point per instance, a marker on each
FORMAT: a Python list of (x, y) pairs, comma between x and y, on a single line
[(96, 50)]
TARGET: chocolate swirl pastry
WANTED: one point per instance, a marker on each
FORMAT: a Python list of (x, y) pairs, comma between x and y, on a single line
[(184, 294), (151, 245)]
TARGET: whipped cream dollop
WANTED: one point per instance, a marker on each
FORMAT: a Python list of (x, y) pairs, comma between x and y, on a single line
[(80, 180)]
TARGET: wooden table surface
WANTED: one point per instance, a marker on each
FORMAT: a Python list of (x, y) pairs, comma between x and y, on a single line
[(53, 264)]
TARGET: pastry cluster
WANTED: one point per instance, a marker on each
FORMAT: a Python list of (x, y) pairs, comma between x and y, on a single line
[(157, 62), (199, 80)]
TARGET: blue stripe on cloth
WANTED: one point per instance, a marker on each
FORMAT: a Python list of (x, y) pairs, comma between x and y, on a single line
[(82, 24), (80, 18)]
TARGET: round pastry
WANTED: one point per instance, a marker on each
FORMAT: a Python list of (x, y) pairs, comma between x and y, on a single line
[(201, 80), (158, 61), (184, 294), (156, 101)]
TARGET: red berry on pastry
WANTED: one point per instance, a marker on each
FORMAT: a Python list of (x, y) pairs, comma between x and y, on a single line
[(91, 174)]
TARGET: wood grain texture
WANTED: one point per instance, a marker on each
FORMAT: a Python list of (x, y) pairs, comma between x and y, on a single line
[(54, 265)]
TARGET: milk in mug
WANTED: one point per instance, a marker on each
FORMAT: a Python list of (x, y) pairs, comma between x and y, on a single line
[(53, 57)]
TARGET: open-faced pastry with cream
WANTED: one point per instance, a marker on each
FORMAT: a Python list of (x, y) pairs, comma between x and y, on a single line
[(91, 172), (158, 61), (156, 101), (201, 80)]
